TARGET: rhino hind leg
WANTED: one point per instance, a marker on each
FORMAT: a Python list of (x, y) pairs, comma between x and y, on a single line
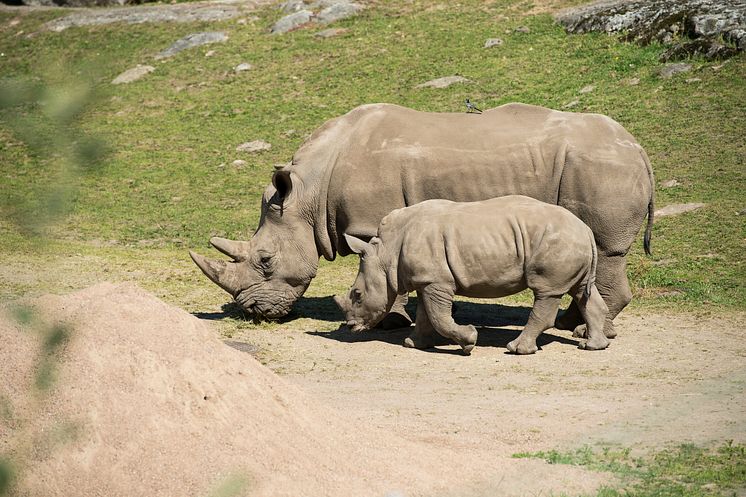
[(437, 301), (541, 318), (594, 312), (612, 283), (397, 316)]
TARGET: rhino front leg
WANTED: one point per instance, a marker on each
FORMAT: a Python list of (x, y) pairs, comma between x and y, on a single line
[(438, 302), (397, 316), (541, 318), (424, 335)]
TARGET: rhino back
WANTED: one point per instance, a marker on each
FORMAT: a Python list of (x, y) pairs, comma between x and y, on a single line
[(394, 157), (491, 248)]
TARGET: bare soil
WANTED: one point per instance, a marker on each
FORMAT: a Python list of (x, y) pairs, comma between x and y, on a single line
[(667, 378), (150, 400)]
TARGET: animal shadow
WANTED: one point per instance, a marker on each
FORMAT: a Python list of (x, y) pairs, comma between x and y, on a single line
[(319, 308), (490, 319)]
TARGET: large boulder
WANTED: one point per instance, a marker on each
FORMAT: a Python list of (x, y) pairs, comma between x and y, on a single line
[(715, 29)]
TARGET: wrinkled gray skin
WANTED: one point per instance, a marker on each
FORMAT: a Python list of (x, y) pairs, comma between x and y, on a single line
[(358, 167), (487, 249)]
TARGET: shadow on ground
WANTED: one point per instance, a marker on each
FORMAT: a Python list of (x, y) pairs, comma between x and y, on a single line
[(319, 308), (490, 320)]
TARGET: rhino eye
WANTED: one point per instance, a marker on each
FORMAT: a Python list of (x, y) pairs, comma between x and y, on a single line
[(265, 263), (356, 295)]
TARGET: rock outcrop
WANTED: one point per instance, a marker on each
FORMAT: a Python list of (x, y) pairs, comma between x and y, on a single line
[(714, 29), (209, 11), (300, 13)]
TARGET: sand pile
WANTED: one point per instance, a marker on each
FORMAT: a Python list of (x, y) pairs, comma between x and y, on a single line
[(148, 401)]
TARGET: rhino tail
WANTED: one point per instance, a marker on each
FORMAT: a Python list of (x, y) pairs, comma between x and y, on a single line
[(591, 280), (651, 204)]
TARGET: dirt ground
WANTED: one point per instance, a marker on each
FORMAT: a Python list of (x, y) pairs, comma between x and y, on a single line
[(151, 400), (667, 379)]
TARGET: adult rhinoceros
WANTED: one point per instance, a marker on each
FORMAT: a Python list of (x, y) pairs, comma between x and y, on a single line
[(357, 168)]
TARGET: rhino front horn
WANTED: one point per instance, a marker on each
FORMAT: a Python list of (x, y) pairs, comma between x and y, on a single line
[(222, 273), (235, 249)]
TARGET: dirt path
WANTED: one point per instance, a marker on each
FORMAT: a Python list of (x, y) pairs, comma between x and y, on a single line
[(667, 379)]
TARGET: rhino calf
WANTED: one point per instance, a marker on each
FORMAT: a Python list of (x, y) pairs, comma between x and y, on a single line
[(491, 248)]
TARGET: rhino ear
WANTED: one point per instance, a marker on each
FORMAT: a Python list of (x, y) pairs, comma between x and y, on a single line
[(357, 245), (282, 182)]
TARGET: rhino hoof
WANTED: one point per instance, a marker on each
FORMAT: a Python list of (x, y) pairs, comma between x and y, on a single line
[(471, 340), (597, 344), (609, 330), (518, 347), (580, 331)]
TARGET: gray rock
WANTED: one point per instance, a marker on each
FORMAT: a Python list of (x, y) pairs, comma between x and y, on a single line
[(180, 12), (238, 163), (75, 3), (693, 27), (191, 41), (742, 212), (291, 6), (667, 71), (707, 48), (254, 146), (633, 81), (444, 82), (570, 105), (322, 4), (331, 32), (587, 89), (671, 183), (244, 66), (291, 22), (492, 42), (133, 74), (337, 12), (676, 209), (693, 80), (522, 29)]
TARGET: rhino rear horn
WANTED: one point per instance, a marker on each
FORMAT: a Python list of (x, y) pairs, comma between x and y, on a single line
[(222, 273), (237, 250)]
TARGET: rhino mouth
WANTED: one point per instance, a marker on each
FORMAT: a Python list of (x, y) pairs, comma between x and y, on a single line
[(266, 304), (357, 327)]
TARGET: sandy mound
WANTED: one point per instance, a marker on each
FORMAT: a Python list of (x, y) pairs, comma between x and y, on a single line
[(149, 402)]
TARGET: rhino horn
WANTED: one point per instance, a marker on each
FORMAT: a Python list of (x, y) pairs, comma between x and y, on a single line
[(340, 303), (237, 250), (222, 273)]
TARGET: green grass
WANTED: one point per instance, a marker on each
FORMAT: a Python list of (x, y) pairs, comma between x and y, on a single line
[(168, 182), (684, 471)]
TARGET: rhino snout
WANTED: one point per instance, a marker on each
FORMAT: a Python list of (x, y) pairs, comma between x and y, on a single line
[(356, 327)]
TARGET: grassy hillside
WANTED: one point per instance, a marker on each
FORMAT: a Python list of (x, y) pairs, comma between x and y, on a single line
[(168, 182)]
